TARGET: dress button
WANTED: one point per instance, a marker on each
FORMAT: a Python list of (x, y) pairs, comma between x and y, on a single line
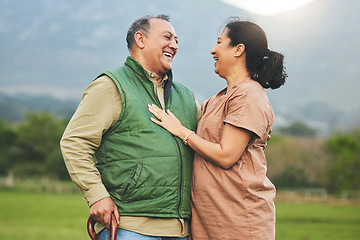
[(152, 75)]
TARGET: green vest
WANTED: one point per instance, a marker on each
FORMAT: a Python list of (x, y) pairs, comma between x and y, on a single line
[(146, 169)]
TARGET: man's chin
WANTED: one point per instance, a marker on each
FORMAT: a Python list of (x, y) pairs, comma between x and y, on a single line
[(167, 68)]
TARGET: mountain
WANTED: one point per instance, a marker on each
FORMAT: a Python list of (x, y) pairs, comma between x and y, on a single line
[(15, 108), (57, 47)]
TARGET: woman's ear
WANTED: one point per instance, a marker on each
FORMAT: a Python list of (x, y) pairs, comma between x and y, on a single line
[(239, 49), (139, 39)]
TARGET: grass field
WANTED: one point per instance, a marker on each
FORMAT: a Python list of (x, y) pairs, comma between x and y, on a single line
[(38, 216), (42, 216), (315, 221)]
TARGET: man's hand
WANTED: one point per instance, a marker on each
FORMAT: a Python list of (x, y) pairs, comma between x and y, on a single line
[(101, 212)]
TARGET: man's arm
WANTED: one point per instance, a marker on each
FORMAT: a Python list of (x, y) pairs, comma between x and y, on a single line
[(93, 117)]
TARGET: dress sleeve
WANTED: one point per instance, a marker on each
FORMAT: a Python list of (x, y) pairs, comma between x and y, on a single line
[(93, 117), (248, 109)]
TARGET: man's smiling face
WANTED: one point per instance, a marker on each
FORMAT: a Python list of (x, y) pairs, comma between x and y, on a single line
[(160, 46)]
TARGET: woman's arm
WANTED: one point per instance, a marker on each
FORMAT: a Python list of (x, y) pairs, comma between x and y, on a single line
[(225, 154)]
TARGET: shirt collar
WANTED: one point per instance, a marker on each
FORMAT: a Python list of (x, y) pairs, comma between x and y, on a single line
[(152, 76)]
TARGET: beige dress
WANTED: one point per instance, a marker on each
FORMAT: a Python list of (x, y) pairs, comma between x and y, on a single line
[(236, 203)]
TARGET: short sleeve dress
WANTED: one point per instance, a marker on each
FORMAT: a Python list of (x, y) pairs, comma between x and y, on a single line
[(235, 203)]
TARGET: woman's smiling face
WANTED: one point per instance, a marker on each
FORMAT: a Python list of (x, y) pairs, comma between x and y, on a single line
[(223, 54)]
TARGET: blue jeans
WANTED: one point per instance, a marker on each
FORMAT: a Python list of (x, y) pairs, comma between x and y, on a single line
[(123, 234)]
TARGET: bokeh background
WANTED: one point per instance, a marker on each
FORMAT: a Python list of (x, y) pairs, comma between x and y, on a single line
[(51, 50)]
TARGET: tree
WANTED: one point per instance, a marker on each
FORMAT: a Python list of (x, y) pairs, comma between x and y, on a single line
[(292, 176), (298, 129), (343, 174), (38, 151), (296, 161), (7, 140)]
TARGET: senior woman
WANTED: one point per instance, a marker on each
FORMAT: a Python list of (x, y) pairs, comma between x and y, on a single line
[(231, 196)]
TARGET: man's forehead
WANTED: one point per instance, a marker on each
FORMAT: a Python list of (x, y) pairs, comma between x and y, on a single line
[(162, 25)]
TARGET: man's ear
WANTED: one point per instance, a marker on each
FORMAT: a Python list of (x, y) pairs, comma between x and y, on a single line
[(239, 49), (139, 39)]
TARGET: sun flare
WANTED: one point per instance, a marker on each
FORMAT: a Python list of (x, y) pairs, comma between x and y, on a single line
[(267, 7)]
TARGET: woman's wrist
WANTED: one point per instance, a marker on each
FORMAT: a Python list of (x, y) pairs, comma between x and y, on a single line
[(185, 135)]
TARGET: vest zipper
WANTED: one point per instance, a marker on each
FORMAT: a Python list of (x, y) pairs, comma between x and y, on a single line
[(177, 144), (181, 175)]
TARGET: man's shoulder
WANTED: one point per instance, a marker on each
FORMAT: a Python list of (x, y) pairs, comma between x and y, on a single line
[(103, 78), (116, 74), (106, 80)]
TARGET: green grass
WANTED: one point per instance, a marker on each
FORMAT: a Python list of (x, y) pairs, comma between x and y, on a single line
[(316, 221), (42, 216), (37, 216)]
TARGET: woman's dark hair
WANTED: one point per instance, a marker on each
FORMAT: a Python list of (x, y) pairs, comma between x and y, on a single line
[(263, 65), (143, 25)]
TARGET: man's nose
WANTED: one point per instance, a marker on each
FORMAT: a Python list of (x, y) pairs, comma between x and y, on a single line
[(174, 45)]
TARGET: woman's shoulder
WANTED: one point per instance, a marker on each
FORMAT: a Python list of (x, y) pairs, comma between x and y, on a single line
[(249, 88), (249, 85)]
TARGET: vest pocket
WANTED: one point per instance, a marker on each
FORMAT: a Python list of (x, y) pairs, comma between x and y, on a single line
[(132, 181)]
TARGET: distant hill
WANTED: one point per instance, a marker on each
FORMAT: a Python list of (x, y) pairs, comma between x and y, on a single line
[(13, 108), (57, 48)]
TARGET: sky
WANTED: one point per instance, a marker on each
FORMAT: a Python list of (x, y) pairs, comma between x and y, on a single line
[(267, 7), (44, 42)]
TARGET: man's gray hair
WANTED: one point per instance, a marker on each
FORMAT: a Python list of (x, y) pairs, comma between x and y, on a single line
[(143, 25)]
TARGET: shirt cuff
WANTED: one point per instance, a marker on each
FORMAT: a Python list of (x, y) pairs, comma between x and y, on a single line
[(95, 194)]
